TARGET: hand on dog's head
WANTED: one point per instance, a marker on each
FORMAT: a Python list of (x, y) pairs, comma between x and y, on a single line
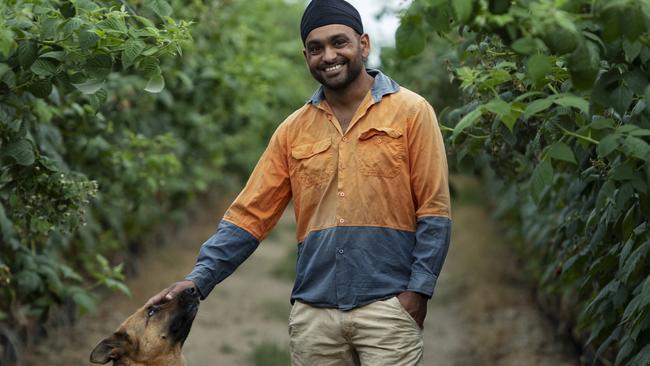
[(153, 335)]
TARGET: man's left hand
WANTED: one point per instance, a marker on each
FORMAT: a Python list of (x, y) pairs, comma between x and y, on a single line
[(415, 304)]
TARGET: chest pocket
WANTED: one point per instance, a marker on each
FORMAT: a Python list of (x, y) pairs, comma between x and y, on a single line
[(381, 152), (315, 162)]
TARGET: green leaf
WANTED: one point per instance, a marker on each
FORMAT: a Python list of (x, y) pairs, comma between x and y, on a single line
[(497, 106), (98, 99), (83, 299), (537, 106), (561, 151), (22, 151), (612, 19), (4, 68), (43, 67), (629, 222), (7, 229), (87, 39), (409, 38), (160, 7), (632, 49), (636, 147), (116, 285), (632, 130), (27, 53), (99, 66), (156, 84), (41, 87), (642, 357), (132, 49), (613, 91), (113, 23), (86, 5), (538, 67), (541, 178), (149, 67), (568, 100), (90, 86), (462, 10), (608, 144), (467, 121), (28, 281), (56, 55), (71, 25), (146, 22), (601, 124), (561, 35), (525, 46), (584, 65), (499, 6)]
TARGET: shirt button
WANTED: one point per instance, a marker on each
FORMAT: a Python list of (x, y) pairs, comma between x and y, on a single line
[(340, 251), (379, 141), (344, 139), (341, 194), (341, 220)]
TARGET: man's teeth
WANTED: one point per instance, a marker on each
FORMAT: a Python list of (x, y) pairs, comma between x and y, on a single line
[(332, 68)]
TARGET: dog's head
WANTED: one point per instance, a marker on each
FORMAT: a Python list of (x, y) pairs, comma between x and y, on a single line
[(152, 334)]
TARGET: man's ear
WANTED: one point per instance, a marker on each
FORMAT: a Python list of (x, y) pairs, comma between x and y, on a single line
[(364, 42), (111, 348)]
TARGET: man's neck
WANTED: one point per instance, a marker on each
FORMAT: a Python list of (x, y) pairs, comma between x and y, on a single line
[(351, 96)]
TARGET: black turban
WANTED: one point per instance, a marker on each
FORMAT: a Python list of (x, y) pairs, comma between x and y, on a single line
[(325, 12)]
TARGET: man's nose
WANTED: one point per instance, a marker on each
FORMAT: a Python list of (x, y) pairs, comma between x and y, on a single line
[(330, 54)]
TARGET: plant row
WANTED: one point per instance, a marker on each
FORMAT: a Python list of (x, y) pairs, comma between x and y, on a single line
[(114, 117), (553, 110)]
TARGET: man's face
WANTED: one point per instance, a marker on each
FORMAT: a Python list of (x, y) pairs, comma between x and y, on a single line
[(335, 54)]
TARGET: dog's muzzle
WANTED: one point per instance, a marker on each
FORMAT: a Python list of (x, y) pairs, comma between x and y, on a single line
[(188, 306)]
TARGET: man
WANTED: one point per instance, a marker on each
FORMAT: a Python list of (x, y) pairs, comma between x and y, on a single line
[(364, 162)]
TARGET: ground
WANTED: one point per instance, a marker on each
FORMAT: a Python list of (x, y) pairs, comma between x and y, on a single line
[(483, 311)]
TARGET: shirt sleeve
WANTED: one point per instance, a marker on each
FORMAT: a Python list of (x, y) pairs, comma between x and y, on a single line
[(430, 187), (248, 220)]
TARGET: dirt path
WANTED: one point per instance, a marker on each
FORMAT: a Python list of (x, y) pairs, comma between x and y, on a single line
[(483, 313)]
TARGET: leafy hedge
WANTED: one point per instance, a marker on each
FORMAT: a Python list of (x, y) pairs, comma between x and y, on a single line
[(113, 117), (556, 106)]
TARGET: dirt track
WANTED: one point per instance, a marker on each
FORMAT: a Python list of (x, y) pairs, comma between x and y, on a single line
[(483, 313)]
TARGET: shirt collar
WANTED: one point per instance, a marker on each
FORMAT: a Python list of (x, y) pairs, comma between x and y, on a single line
[(383, 85)]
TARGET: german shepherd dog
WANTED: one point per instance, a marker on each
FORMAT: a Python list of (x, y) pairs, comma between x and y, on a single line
[(152, 336)]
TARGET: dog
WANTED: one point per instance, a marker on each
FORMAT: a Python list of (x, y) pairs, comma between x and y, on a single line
[(152, 336)]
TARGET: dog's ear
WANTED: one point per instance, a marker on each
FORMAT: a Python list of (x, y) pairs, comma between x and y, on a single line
[(111, 348)]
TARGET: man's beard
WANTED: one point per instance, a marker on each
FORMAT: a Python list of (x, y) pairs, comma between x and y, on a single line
[(353, 72)]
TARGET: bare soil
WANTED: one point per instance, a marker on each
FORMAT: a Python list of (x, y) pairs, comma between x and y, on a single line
[(483, 311)]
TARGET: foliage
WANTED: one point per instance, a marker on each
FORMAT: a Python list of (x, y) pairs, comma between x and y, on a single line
[(556, 105), (56, 58), (114, 116)]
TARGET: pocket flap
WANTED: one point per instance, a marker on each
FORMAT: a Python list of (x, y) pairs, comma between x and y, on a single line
[(308, 150), (382, 131)]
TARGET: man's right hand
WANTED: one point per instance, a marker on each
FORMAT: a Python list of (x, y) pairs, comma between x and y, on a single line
[(170, 292)]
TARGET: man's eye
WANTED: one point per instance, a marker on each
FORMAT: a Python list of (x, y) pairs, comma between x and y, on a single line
[(152, 311), (339, 44)]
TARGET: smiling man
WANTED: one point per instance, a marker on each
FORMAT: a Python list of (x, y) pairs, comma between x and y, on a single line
[(365, 165)]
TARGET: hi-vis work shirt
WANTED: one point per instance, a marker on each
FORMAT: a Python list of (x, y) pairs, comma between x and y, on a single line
[(371, 203)]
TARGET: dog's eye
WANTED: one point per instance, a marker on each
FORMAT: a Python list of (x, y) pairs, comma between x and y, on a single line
[(152, 311)]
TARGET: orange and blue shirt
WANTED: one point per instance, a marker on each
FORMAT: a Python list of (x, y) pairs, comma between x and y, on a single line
[(371, 203)]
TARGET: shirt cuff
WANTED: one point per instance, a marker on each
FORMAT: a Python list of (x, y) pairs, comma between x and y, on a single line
[(423, 283)]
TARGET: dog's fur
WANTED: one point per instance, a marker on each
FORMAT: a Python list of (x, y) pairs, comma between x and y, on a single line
[(151, 336)]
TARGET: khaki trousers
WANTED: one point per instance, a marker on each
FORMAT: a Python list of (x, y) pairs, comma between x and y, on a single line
[(380, 333)]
